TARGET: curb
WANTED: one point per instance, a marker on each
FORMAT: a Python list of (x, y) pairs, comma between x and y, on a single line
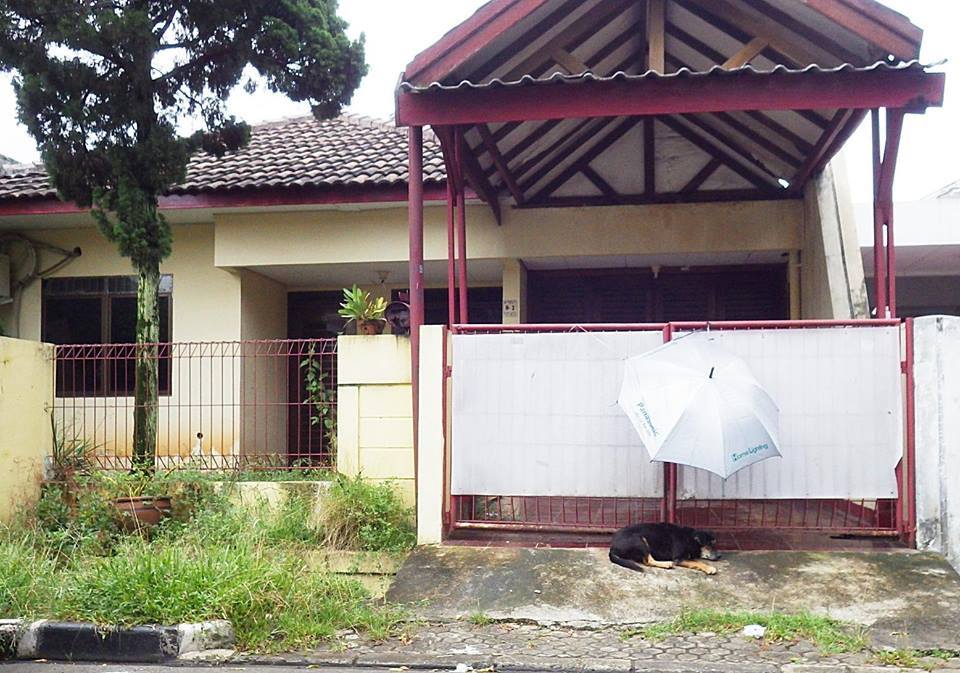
[(82, 641), (506, 664)]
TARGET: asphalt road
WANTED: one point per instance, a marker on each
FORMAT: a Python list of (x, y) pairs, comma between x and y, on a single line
[(59, 667)]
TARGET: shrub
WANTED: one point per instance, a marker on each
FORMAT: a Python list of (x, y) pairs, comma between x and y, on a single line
[(367, 516), (273, 600), (27, 579)]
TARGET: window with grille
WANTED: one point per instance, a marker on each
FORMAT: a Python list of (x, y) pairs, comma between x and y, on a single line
[(100, 312)]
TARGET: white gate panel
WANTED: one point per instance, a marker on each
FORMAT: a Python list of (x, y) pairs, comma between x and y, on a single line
[(537, 414), (841, 415)]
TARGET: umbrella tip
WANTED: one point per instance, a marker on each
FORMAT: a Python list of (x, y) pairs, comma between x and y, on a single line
[(711, 372)]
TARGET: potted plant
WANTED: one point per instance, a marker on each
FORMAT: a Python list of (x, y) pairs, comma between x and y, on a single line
[(138, 512), (367, 312)]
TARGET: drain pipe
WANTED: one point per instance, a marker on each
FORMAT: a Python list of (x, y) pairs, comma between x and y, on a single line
[(34, 247)]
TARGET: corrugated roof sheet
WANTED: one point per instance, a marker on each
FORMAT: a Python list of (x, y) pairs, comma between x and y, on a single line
[(303, 152), (588, 76)]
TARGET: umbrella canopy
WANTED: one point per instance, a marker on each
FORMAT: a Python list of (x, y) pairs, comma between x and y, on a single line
[(695, 403)]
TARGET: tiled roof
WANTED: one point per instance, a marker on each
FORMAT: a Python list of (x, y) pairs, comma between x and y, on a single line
[(349, 150)]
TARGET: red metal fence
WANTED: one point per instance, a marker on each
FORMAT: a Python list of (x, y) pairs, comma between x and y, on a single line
[(226, 405), (867, 516)]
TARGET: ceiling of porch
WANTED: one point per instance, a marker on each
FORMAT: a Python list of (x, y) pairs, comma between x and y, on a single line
[(689, 157)]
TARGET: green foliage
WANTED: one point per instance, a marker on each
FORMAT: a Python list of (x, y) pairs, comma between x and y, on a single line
[(920, 659), (358, 305), (103, 86), (320, 396), (70, 456), (215, 561), (480, 619), (366, 516), (27, 578), (828, 634)]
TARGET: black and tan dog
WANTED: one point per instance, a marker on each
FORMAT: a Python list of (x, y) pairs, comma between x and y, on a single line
[(663, 545)]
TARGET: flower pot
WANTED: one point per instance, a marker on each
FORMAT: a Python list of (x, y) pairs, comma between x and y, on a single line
[(142, 513), (371, 327)]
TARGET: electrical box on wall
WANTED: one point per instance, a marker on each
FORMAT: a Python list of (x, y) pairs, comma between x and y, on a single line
[(5, 292)]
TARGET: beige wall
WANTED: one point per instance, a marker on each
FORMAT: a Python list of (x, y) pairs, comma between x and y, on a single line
[(334, 237), (431, 444), (26, 434), (832, 281), (263, 307), (514, 292), (375, 410), (206, 300)]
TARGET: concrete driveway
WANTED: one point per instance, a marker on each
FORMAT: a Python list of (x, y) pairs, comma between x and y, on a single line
[(905, 598)]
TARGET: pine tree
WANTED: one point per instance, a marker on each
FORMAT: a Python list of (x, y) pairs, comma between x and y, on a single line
[(102, 85)]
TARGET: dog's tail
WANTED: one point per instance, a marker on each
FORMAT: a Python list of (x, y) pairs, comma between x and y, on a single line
[(629, 564)]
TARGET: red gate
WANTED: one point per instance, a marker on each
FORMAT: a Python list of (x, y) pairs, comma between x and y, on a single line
[(874, 517)]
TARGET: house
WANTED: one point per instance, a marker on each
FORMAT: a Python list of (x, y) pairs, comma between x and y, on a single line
[(555, 163), (928, 252)]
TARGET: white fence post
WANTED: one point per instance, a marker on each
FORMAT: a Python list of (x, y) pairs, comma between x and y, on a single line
[(937, 382)]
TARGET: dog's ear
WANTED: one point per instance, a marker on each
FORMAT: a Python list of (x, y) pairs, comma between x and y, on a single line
[(703, 538)]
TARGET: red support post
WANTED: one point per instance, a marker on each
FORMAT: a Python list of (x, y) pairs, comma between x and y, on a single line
[(908, 494), (891, 262), (415, 224), (668, 509), (879, 258), (885, 195), (461, 226), (451, 254)]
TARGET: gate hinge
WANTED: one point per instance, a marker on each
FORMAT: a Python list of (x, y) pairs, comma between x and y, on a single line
[(903, 367), (448, 371)]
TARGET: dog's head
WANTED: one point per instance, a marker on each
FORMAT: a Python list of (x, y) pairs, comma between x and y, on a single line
[(708, 545)]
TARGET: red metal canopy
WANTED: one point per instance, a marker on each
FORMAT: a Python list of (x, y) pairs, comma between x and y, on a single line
[(603, 102), (577, 102)]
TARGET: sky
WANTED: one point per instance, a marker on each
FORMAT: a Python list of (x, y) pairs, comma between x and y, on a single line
[(396, 31)]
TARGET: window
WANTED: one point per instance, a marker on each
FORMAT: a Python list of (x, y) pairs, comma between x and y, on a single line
[(485, 305), (100, 310)]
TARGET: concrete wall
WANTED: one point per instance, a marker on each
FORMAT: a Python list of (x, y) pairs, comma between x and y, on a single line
[(937, 377), (432, 446), (337, 237), (263, 307), (26, 434), (832, 281), (375, 410), (926, 295), (206, 300)]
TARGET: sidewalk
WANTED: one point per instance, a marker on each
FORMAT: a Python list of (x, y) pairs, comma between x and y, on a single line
[(509, 646), (904, 599)]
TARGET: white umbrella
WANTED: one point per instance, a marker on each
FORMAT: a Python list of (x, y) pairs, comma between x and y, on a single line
[(695, 403)]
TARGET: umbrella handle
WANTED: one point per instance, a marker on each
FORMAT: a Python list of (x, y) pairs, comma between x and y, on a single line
[(711, 372)]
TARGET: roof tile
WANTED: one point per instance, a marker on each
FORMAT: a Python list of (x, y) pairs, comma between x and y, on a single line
[(349, 150)]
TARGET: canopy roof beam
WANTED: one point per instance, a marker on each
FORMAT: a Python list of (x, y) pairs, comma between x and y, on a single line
[(910, 89)]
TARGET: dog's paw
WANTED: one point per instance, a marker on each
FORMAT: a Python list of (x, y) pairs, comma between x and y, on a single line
[(710, 570)]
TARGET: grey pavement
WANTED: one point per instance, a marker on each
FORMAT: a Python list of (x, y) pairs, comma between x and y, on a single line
[(514, 646), (905, 599)]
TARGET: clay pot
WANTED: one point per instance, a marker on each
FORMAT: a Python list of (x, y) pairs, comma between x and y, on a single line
[(371, 327), (142, 513)]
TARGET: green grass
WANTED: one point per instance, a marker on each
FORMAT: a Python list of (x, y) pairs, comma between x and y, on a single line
[(480, 619), (212, 560), (828, 634), (366, 516), (912, 658)]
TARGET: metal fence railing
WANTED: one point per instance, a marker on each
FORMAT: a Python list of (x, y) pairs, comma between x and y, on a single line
[(687, 497), (226, 405)]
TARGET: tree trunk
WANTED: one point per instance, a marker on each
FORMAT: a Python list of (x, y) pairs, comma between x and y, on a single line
[(146, 391)]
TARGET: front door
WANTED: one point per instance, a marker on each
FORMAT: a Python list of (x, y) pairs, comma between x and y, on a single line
[(640, 296)]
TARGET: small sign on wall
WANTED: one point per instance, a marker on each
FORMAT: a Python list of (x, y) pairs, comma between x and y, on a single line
[(510, 308)]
